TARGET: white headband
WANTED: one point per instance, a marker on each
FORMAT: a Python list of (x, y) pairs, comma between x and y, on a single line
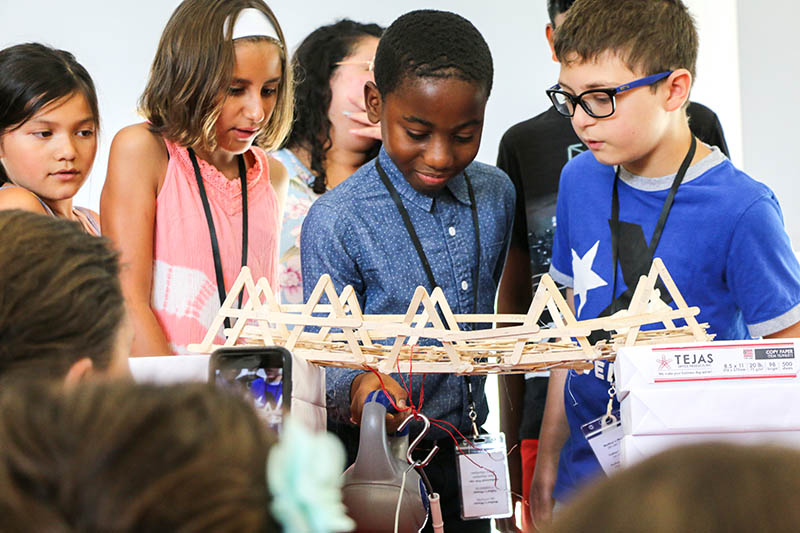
[(252, 23)]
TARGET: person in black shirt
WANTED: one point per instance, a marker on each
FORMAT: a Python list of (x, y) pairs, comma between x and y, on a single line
[(533, 153)]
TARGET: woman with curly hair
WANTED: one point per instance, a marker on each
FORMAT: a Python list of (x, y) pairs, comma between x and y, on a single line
[(331, 136)]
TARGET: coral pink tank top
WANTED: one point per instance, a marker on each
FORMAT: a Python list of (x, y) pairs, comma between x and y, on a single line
[(184, 295)]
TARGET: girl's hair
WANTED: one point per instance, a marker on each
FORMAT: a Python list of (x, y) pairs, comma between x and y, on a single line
[(194, 65), (111, 456), (60, 296), (314, 63), (32, 76)]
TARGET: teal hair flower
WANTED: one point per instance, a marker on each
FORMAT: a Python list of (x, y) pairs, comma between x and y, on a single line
[(304, 473)]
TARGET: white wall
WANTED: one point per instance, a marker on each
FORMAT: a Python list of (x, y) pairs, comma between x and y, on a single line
[(116, 42), (770, 86)]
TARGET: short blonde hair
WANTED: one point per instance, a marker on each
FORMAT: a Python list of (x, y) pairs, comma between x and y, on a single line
[(194, 64)]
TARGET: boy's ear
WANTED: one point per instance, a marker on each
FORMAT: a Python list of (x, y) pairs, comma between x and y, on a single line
[(679, 85), (548, 32), (373, 102), (79, 371)]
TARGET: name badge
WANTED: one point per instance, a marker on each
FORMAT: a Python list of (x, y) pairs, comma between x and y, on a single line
[(604, 435), (483, 477)]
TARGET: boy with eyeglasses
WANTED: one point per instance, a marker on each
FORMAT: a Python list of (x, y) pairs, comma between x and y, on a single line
[(625, 81), (532, 153)]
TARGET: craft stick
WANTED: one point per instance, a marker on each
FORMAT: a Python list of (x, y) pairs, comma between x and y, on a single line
[(614, 323), (308, 310), (348, 332), (558, 320), (437, 322), (272, 302), (438, 297), (677, 297), (566, 312), (408, 318), (641, 295), (350, 302), (538, 303), (509, 349), (216, 324), (459, 318)]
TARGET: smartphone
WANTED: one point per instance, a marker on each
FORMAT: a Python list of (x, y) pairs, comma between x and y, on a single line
[(262, 374)]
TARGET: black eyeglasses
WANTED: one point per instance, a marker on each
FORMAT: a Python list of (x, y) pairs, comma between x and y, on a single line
[(598, 103)]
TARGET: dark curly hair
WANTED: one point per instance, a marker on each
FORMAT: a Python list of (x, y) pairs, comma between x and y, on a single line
[(432, 44), (314, 63)]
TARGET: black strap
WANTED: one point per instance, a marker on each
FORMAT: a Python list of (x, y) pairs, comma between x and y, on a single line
[(409, 226), (662, 219), (212, 230), (398, 202)]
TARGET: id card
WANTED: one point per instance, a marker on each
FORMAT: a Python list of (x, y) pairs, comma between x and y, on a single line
[(483, 478), (604, 435)]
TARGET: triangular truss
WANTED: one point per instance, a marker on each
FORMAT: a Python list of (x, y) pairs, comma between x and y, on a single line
[(338, 333)]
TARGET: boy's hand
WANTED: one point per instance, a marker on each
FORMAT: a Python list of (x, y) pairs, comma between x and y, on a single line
[(367, 382)]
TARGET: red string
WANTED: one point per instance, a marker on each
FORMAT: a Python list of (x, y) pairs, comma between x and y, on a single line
[(434, 421)]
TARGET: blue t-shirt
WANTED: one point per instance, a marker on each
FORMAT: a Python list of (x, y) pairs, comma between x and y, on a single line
[(724, 244)]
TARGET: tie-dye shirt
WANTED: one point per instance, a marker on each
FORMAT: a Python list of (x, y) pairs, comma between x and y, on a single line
[(184, 289)]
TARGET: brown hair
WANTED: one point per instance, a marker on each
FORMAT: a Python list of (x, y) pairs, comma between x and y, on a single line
[(125, 457), (60, 296), (713, 487), (194, 65), (650, 36)]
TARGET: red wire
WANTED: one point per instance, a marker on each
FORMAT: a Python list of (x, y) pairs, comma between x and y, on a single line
[(434, 421)]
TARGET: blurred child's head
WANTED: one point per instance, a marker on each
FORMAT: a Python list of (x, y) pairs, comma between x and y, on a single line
[(125, 457), (62, 314), (331, 66), (609, 45), (713, 487), (211, 88), (48, 121), (433, 76)]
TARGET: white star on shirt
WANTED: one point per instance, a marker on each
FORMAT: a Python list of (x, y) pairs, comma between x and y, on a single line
[(585, 278)]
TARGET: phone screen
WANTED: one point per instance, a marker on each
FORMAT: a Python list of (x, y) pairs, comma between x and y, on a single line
[(262, 375)]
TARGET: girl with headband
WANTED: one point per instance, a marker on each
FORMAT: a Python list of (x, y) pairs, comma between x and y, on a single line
[(191, 195)]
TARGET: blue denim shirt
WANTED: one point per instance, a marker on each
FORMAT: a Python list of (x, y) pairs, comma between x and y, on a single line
[(355, 234)]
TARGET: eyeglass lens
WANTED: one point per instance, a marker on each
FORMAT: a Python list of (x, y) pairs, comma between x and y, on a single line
[(597, 104)]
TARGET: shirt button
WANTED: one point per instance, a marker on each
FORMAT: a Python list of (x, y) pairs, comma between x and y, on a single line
[(464, 285), (452, 231)]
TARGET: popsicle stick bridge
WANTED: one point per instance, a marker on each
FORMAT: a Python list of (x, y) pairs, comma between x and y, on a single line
[(337, 333)]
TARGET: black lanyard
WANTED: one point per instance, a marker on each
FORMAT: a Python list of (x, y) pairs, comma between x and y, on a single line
[(427, 266), (662, 219), (213, 232), (418, 245)]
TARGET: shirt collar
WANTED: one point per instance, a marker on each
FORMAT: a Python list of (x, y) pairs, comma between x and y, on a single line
[(457, 185)]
